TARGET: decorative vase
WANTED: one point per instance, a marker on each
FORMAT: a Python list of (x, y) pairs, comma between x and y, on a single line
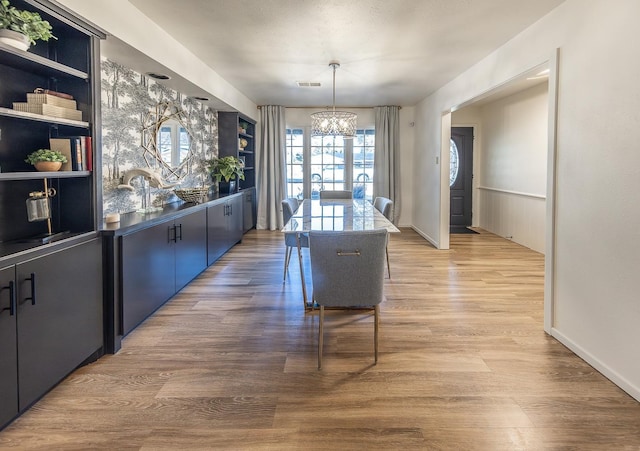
[(48, 166), (14, 39), (227, 187)]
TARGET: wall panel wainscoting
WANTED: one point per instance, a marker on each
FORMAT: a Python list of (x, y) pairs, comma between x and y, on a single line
[(519, 217), (230, 363)]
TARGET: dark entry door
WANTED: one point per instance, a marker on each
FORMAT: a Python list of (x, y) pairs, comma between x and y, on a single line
[(461, 176)]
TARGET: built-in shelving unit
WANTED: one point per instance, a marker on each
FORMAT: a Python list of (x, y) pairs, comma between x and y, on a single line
[(69, 65), (51, 283), (231, 137)]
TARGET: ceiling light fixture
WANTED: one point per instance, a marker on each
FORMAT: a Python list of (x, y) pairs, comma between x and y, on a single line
[(333, 123)]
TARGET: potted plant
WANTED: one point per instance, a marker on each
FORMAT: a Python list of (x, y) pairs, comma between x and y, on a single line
[(21, 28), (225, 171), (46, 160)]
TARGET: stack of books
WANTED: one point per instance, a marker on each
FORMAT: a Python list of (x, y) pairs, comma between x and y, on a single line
[(49, 105), (77, 149)]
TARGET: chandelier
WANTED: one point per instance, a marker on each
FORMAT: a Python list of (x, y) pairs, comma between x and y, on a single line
[(333, 123)]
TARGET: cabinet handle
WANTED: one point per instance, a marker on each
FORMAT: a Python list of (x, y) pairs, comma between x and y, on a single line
[(230, 209), (172, 238), (180, 227), (12, 298), (33, 288)]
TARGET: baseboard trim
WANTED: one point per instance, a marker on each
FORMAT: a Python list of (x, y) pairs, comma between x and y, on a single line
[(606, 371), (425, 236)]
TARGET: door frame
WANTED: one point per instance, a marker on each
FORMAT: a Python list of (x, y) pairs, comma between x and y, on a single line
[(475, 157), (552, 63)]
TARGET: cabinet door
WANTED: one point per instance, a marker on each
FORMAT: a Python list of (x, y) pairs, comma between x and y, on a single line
[(218, 241), (148, 272), (236, 220), (191, 247), (59, 316), (249, 209), (8, 356)]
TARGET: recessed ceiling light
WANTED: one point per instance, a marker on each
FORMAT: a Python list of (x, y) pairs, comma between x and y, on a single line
[(308, 84), (157, 76)]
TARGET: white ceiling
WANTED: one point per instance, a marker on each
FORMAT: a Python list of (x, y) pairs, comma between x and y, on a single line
[(392, 52)]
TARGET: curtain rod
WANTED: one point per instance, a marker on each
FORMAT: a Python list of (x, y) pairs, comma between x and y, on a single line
[(328, 107)]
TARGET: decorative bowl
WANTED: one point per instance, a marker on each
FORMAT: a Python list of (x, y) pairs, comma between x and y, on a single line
[(195, 195)]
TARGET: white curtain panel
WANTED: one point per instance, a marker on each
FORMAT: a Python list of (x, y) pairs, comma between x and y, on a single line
[(386, 180), (270, 175)]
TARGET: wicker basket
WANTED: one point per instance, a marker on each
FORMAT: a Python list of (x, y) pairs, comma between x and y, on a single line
[(195, 195)]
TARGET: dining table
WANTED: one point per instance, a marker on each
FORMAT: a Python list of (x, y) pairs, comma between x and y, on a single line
[(335, 215)]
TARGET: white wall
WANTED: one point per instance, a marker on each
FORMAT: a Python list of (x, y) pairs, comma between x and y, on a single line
[(300, 117), (510, 165), (592, 287)]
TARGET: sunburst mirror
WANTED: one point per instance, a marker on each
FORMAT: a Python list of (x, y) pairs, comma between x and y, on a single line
[(167, 140)]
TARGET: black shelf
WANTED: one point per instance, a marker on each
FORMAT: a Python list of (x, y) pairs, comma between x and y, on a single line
[(30, 62), (7, 176), (8, 112)]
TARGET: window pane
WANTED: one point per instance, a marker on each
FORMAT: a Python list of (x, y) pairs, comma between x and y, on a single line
[(327, 162), (363, 154), (184, 144), (165, 143), (294, 154)]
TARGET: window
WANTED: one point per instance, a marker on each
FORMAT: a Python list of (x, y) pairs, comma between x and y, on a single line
[(316, 163), (454, 163)]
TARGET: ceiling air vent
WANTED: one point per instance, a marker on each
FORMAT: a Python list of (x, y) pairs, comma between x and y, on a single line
[(308, 84)]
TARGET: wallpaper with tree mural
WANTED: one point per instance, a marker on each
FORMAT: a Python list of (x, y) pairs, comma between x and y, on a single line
[(128, 98)]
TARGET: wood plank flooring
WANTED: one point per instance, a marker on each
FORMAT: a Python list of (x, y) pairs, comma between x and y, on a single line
[(230, 363)]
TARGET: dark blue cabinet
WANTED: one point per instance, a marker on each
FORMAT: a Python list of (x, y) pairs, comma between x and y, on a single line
[(225, 226), (158, 261), (50, 321), (59, 315), (8, 347)]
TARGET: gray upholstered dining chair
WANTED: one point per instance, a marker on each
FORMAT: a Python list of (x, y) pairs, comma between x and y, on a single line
[(385, 206), (348, 271), (336, 194), (289, 207)]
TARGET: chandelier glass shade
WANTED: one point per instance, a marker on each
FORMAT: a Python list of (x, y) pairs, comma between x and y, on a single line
[(334, 123)]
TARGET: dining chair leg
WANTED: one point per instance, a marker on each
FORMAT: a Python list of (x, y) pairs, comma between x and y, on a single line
[(388, 266), (376, 322), (287, 257), (304, 285), (320, 335)]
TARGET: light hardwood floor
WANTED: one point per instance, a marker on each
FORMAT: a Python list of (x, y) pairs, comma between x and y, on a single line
[(230, 363)]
